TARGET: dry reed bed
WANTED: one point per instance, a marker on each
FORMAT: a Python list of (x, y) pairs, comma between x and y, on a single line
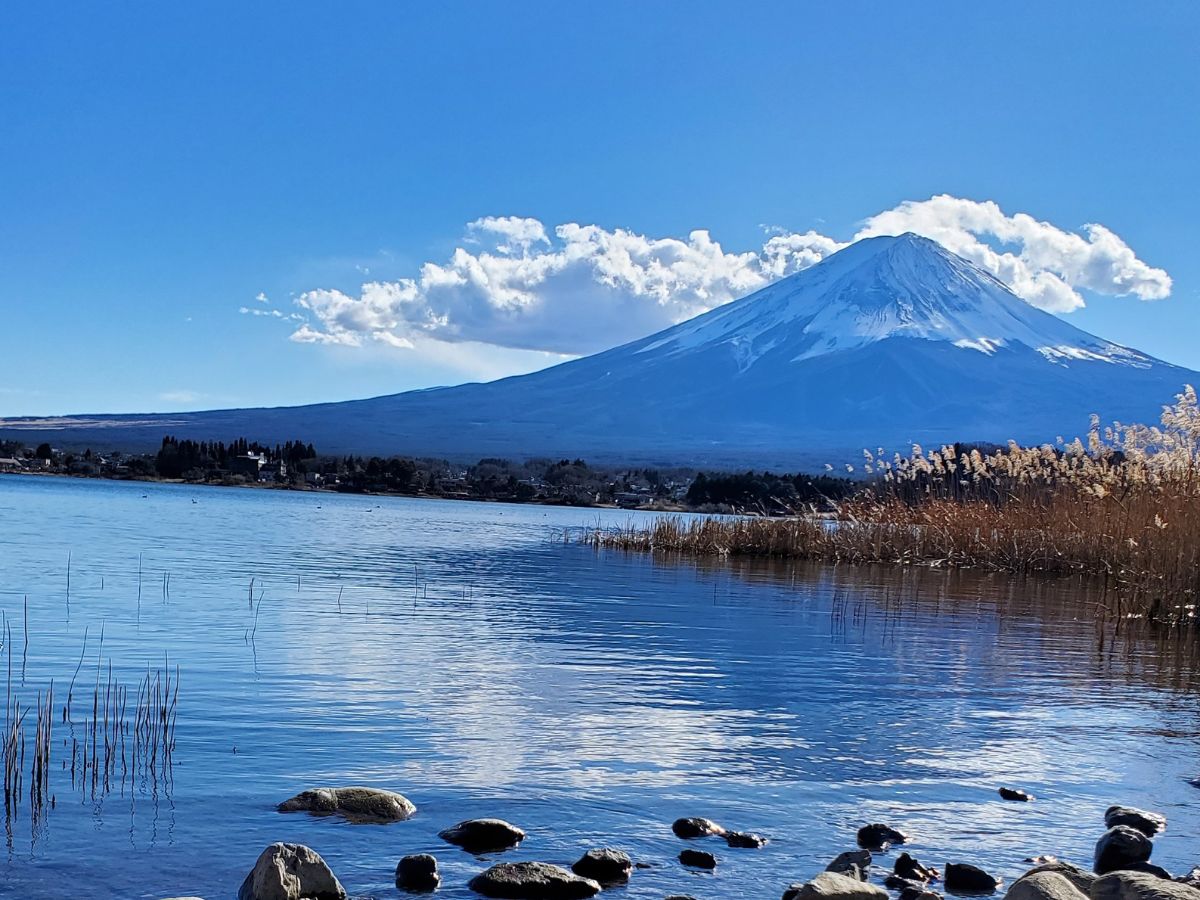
[(1124, 506)]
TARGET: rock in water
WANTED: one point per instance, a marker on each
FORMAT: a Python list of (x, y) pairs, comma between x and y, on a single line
[(1192, 877), (1141, 886), (606, 865), (290, 872), (357, 804), (1148, 823), (696, 828), (880, 837), (532, 881), (968, 879), (418, 873), (1044, 886), (697, 859), (852, 863), (908, 867), (832, 886), (1119, 848), (483, 835), (1014, 794), (1081, 879), (919, 893), (745, 840)]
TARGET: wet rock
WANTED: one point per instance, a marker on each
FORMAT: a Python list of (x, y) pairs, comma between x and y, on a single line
[(1140, 886), (1015, 794), (183, 898), (1080, 879), (745, 840), (357, 804), (852, 863), (908, 867), (880, 837), (1045, 885), (606, 865), (1119, 848), (1148, 823), (1192, 878), (965, 878), (532, 881), (483, 835), (832, 886), (919, 893), (696, 828), (697, 859), (290, 872), (897, 883), (418, 873), (680, 897)]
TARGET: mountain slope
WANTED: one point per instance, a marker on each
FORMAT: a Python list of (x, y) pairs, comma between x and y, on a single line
[(890, 341)]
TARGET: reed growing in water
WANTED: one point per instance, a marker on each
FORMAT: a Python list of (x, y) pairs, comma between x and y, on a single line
[(1124, 505)]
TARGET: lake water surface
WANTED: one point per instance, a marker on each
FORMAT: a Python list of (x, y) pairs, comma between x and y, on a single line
[(466, 656)]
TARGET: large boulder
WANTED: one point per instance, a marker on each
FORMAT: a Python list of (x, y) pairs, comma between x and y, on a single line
[(964, 878), (832, 886), (1080, 879), (357, 804), (1140, 886), (533, 881), (879, 837), (1148, 823), (418, 873), (606, 865), (290, 872), (1044, 885), (1120, 848), (696, 828), (852, 863), (483, 835)]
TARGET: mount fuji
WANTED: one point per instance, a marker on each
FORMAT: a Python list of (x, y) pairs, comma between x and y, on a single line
[(892, 340)]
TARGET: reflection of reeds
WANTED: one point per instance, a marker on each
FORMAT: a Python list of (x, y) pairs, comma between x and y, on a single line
[(1124, 507), (112, 746)]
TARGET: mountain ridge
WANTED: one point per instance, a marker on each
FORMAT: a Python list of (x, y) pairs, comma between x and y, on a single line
[(890, 341)]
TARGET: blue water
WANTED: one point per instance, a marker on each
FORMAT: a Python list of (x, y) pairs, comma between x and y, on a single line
[(483, 667)]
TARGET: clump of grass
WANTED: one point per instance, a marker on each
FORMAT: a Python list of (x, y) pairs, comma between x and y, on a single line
[(1124, 505)]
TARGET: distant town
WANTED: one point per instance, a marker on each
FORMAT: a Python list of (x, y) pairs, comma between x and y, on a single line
[(297, 465)]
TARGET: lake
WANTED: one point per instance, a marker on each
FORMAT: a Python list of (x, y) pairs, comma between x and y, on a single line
[(466, 656)]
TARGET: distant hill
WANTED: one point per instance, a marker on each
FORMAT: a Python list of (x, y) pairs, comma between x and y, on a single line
[(890, 341)]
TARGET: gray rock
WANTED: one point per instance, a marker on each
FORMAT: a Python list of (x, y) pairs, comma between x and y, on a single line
[(745, 840), (357, 804), (880, 837), (532, 881), (964, 878), (1045, 885), (606, 865), (418, 873), (1148, 823), (697, 859), (483, 835), (832, 886), (1140, 886), (852, 863), (290, 872), (1080, 879), (696, 828), (1192, 878), (907, 866), (1119, 848)]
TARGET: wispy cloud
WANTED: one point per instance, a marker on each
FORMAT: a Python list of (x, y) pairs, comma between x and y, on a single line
[(182, 397), (580, 288)]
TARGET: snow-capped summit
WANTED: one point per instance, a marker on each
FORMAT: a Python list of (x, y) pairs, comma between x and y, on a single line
[(887, 287), (892, 340)]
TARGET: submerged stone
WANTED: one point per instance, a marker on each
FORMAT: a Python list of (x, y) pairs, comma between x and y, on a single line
[(356, 804), (698, 859), (695, 828), (532, 881), (483, 835), (879, 837)]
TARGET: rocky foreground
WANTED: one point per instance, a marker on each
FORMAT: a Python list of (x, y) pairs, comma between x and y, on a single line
[(1121, 867)]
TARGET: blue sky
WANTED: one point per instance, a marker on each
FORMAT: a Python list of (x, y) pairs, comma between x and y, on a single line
[(161, 166)]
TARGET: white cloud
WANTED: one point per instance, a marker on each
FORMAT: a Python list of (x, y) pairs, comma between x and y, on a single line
[(1047, 265), (262, 298), (583, 288), (181, 396)]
